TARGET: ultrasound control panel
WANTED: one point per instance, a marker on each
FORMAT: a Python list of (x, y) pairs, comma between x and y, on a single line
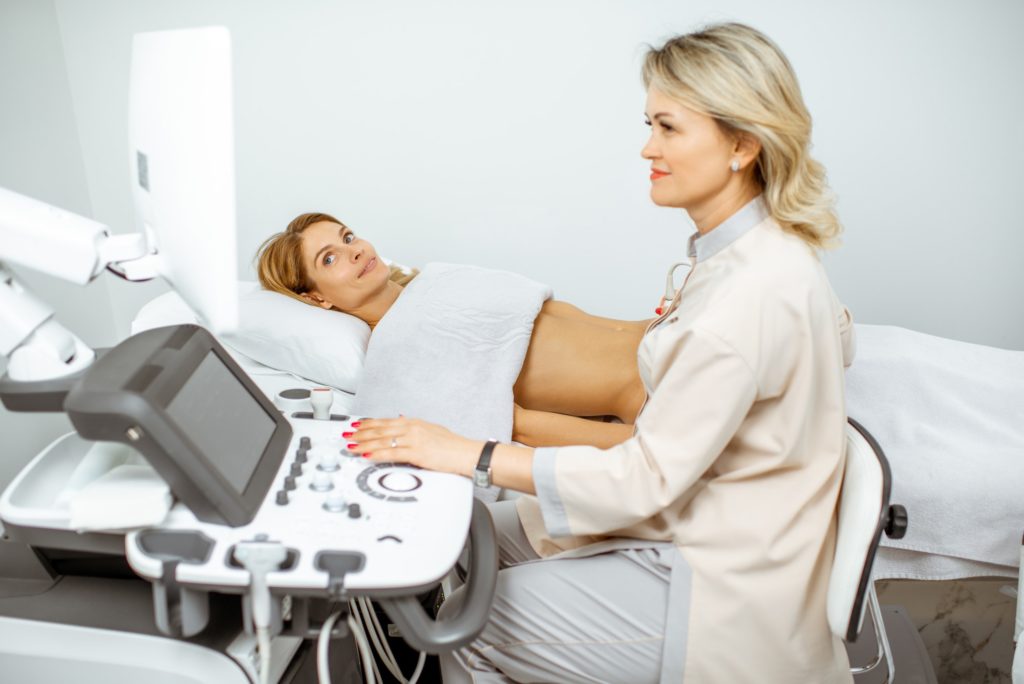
[(409, 525), (246, 468), (267, 501)]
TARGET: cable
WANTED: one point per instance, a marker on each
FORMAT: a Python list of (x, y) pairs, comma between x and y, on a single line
[(354, 612), (260, 558), (379, 631), (323, 669), (362, 620), (362, 631), (357, 627), (378, 638), (263, 646), (121, 274), (369, 666), (419, 668), (397, 671), (366, 614)]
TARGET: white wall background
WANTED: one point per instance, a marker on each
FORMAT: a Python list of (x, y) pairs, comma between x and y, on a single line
[(507, 134), (40, 156)]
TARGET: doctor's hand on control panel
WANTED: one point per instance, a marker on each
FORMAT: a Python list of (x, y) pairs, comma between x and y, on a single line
[(417, 442), (431, 446)]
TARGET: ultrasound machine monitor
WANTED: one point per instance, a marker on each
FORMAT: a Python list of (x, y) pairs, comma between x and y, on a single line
[(175, 395), (182, 165)]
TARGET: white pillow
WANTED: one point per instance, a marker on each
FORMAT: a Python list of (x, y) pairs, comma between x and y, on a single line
[(327, 347)]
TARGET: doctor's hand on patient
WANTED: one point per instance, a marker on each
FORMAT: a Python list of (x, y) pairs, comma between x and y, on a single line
[(408, 440)]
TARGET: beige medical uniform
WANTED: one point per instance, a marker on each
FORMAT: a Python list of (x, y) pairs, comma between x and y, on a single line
[(736, 460)]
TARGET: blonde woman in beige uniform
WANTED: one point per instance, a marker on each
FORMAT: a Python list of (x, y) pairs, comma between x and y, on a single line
[(699, 549)]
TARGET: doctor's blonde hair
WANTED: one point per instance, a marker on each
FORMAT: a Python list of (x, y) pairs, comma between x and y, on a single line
[(279, 260), (739, 77)]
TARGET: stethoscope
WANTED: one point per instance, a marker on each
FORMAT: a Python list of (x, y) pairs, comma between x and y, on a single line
[(670, 287)]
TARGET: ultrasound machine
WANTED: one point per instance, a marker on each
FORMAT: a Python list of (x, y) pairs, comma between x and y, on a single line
[(220, 536)]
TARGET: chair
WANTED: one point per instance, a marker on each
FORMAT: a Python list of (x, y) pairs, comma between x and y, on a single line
[(864, 513)]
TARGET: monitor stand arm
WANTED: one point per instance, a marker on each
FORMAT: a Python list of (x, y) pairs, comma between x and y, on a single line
[(62, 244), (45, 360), (44, 357)]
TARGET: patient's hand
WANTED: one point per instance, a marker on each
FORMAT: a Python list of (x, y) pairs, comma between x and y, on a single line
[(417, 442), (544, 428), (520, 418)]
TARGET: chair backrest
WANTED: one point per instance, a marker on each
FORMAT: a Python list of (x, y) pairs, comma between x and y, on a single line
[(863, 515)]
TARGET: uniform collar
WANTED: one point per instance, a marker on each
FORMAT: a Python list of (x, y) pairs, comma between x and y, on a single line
[(703, 247)]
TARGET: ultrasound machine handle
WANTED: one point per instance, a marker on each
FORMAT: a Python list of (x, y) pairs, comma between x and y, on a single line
[(431, 636)]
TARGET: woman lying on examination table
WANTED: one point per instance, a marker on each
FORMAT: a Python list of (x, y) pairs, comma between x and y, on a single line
[(576, 365), (700, 548)]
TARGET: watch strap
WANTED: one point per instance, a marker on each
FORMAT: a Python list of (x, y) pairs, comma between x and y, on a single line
[(482, 473)]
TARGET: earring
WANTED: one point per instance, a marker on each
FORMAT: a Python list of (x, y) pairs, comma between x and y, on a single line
[(735, 166)]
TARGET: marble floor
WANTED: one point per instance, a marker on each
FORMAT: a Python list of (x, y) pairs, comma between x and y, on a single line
[(966, 625)]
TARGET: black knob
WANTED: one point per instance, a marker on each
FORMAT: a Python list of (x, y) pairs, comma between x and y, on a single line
[(304, 443), (289, 483), (300, 456), (296, 469), (354, 511), (896, 525), (282, 497)]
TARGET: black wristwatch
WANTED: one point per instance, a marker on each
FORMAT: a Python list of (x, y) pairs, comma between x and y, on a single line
[(482, 474)]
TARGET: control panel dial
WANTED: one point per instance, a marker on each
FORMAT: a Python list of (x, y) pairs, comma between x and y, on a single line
[(390, 482)]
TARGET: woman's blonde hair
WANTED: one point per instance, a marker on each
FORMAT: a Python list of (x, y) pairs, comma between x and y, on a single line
[(739, 77), (279, 259)]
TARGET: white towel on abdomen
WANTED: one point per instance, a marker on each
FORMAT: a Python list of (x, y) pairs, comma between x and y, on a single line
[(950, 418), (450, 350)]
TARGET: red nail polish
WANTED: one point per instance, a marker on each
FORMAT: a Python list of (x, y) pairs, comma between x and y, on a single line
[(351, 445), (347, 434), (367, 455), (356, 424)]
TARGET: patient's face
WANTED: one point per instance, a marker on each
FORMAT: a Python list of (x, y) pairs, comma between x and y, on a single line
[(344, 268), (690, 151)]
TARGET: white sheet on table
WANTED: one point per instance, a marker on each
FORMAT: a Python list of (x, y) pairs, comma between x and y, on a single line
[(950, 418), (915, 565), (450, 349)]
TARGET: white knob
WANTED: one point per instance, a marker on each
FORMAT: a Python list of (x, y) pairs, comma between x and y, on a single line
[(328, 461), (322, 482), (399, 482), (335, 502)]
